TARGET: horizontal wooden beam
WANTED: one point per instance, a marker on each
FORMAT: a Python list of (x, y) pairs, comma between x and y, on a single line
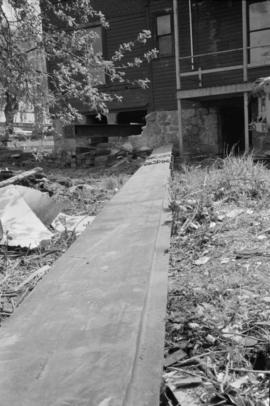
[(212, 70), (223, 69), (214, 91)]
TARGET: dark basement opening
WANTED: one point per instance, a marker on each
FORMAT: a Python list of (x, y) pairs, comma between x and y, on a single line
[(132, 117)]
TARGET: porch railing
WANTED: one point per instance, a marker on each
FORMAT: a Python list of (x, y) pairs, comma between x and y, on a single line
[(220, 61)]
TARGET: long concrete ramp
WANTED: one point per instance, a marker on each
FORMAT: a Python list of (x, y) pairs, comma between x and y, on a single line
[(92, 331)]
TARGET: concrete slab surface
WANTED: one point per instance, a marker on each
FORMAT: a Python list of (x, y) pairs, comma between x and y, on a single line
[(92, 331)]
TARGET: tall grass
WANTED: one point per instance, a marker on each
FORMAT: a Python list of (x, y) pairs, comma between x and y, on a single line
[(233, 178), (114, 182)]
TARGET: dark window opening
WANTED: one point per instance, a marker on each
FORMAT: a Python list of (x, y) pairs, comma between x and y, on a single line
[(94, 119), (164, 34), (132, 117), (259, 32), (96, 46)]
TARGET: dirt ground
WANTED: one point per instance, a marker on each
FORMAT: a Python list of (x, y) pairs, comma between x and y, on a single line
[(217, 331), (217, 348)]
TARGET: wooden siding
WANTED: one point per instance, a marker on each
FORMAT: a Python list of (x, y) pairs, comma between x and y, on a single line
[(126, 19), (255, 73), (124, 26), (119, 8), (217, 26), (164, 84)]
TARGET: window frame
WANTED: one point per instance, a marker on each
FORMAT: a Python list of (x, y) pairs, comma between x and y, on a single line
[(262, 61), (93, 25), (171, 34)]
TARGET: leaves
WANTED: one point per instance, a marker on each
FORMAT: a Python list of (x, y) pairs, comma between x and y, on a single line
[(33, 32)]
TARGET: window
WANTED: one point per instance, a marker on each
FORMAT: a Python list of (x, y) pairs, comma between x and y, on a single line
[(259, 31), (98, 49), (97, 45), (164, 34)]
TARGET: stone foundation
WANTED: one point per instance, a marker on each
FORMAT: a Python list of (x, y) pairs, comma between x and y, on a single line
[(200, 129), (200, 132), (261, 143)]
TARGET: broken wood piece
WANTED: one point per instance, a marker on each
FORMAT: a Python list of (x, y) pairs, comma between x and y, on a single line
[(253, 371), (20, 176), (181, 398), (174, 357), (248, 254), (168, 397), (38, 273), (196, 358), (187, 382), (120, 162)]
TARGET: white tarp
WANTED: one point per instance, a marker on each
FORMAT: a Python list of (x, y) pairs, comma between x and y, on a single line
[(45, 207), (21, 227), (72, 223)]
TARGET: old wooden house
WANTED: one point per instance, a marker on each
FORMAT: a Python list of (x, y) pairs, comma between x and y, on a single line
[(210, 53)]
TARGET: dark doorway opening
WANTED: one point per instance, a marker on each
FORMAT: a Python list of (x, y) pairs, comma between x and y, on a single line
[(95, 119), (232, 126), (131, 117)]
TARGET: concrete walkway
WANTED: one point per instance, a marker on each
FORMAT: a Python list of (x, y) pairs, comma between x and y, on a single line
[(92, 331)]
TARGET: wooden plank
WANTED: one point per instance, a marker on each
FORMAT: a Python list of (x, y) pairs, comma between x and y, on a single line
[(214, 91), (20, 176), (91, 333)]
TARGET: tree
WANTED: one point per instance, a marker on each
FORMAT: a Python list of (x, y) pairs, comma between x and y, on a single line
[(48, 59)]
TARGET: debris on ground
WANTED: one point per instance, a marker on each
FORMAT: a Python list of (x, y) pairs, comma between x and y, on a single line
[(20, 177), (75, 224), (219, 286), (93, 153), (19, 224), (46, 208)]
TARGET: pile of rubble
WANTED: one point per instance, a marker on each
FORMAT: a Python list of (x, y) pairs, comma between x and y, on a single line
[(103, 154)]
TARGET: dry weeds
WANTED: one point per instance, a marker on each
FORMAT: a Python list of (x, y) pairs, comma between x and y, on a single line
[(219, 290)]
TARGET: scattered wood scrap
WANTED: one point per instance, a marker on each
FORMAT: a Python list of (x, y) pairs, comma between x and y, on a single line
[(21, 176), (174, 357)]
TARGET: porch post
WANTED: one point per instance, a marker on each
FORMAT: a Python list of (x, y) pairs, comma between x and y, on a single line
[(191, 33), (178, 81), (244, 28), (246, 122), (245, 72)]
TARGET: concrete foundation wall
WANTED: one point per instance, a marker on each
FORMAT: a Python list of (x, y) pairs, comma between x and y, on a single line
[(261, 143), (200, 129)]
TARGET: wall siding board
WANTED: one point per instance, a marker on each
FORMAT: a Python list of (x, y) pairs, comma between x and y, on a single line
[(164, 84), (217, 26), (124, 27)]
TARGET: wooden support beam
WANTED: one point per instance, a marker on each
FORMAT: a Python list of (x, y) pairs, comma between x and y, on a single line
[(244, 31), (246, 122), (178, 78)]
